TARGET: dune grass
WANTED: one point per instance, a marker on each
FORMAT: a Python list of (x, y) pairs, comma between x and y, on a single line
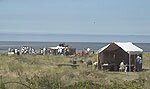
[(42, 72)]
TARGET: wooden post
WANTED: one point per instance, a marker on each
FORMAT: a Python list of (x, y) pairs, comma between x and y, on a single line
[(129, 62), (98, 60)]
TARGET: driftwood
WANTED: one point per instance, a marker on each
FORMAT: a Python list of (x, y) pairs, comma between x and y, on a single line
[(72, 65)]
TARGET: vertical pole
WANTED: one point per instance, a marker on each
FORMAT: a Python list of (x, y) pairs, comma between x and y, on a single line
[(129, 62), (98, 60)]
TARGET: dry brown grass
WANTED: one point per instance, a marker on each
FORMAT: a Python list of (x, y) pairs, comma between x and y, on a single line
[(20, 68)]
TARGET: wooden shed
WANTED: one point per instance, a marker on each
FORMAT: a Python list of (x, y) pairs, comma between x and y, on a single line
[(114, 53)]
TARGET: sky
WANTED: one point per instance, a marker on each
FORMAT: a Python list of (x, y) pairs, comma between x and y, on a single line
[(122, 17)]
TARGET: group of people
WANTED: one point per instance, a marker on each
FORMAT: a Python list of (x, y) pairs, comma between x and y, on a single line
[(136, 67), (27, 50), (62, 49), (138, 64), (43, 51), (85, 52), (23, 50), (13, 51)]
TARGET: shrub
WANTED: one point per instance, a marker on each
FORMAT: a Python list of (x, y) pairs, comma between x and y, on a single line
[(44, 81), (14, 66)]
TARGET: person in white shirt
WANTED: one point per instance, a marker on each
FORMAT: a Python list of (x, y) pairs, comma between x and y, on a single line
[(122, 66)]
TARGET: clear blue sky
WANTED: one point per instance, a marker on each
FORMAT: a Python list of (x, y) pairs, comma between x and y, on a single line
[(124, 17)]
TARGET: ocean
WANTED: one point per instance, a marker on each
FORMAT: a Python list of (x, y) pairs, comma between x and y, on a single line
[(74, 38), (79, 42)]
